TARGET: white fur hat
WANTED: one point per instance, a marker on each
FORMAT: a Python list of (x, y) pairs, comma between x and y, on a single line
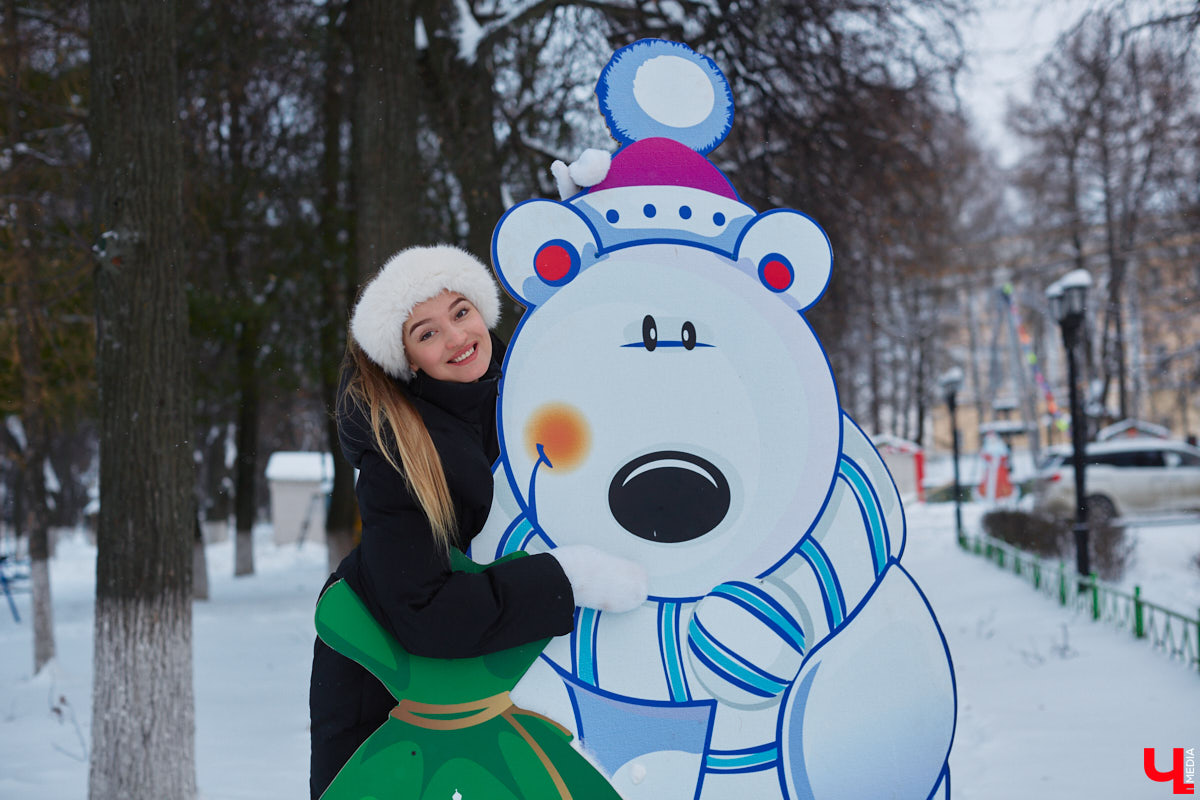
[(410, 277)]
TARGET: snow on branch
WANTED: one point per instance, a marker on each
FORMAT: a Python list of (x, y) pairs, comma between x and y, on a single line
[(475, 38), (45, 158), (16, 430), (468, 32), (537, 145)]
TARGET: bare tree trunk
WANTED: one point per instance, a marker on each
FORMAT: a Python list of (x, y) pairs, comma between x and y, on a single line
[(336, 279), (389, 179), (143, 728), (1023, 386), (39, 550), (343, 506), (873, 370), (1139, 390), (249, 334), (34, 456), (245, 499), (481, 180), (923, 356), (1183, 399), (43, 609), (463, 101), (974, 356), (1114, 344), (33, 382), (893, 364), (388, 183), (910, 385), (199, 564)]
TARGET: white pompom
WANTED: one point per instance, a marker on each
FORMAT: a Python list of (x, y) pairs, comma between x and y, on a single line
[(675, 91), (591, 167)]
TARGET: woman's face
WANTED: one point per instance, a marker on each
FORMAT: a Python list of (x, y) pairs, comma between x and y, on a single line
[(445, 337)]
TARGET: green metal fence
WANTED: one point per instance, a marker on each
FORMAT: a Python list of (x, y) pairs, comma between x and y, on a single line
[(1167, 631)]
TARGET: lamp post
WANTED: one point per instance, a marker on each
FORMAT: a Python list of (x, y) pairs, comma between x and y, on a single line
[(1068, 304), (950, 382)]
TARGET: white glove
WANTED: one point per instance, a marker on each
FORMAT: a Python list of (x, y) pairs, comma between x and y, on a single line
[(602, 581), (589, 169), (567, 188)]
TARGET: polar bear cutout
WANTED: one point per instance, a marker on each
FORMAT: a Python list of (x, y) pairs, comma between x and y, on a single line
[(665, 400)]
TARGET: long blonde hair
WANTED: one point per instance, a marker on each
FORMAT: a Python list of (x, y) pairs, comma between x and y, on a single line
[(399, 431)]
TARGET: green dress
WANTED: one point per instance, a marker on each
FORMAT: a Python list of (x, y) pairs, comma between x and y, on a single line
[(454, 734)]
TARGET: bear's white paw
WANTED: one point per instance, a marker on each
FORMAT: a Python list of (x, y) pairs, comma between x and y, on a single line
[(602, 581)]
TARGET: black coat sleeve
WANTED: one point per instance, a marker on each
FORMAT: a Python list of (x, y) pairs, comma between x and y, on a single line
[(432, 611)]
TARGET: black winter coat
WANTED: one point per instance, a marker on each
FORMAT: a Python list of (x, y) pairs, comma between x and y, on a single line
[(406, 582)]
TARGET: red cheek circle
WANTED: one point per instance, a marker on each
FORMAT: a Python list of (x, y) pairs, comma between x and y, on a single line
[(556, 262), (776, 273)]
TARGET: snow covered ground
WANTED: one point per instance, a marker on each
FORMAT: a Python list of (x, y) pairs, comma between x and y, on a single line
[(1051, 704)]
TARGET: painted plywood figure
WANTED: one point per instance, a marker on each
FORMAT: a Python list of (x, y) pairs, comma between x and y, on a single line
[(665, 399), (455, 733)]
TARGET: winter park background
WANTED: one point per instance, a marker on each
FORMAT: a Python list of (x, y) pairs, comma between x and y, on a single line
[(963, 155)]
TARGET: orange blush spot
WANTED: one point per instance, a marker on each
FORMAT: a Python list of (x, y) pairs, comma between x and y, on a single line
[(562, 432)]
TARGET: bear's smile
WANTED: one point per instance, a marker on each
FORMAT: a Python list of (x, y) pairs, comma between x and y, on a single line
[(669, 496)]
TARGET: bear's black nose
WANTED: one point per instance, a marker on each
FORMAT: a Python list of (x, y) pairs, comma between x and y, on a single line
[(669, 496)]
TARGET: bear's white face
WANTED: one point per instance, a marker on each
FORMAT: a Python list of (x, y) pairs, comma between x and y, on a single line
[(688, 416)]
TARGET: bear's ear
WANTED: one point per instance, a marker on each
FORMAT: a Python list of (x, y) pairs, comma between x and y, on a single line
[(539, 246), (790, 253)]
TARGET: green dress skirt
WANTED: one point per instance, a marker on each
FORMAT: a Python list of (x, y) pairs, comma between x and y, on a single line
[(454, 734)]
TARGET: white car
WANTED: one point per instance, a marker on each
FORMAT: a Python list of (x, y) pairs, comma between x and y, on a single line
[(1125, 477)]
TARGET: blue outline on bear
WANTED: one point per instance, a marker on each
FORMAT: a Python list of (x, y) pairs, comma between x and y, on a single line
[(784, 652)]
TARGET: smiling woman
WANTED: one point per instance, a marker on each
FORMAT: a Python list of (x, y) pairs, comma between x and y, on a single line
[(417, 417), (446, 337)]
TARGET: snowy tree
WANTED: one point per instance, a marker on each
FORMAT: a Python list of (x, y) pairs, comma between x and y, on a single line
[(337, 275), (388, 174), (841, 109), (1109, 115), (29, 346), (249, 100), (143, 729), (45, 334)]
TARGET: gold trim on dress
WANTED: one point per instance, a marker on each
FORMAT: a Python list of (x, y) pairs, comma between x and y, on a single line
[(457, 716), (452, 716)]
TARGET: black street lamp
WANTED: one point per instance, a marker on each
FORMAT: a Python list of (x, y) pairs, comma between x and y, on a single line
[(950, 382), (1068, 304)]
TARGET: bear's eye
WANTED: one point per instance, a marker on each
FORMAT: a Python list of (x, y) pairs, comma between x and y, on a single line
[(688, 335), (649, 333)]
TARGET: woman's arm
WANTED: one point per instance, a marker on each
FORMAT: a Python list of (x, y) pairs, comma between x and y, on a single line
[(432, 611)]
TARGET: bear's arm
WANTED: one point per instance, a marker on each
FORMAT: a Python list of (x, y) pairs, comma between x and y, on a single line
[(857, 448)]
